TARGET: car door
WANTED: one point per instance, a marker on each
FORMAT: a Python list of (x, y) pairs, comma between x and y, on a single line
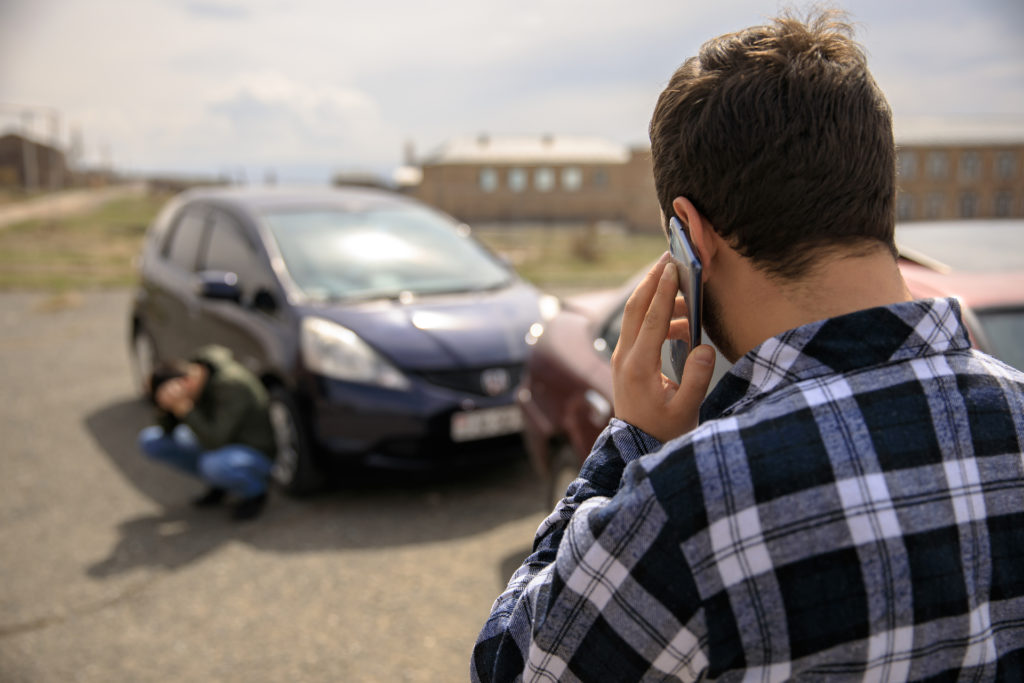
[(172, 288), (249, 326)]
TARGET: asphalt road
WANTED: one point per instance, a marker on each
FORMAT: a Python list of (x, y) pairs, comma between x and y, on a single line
[(107, 574)]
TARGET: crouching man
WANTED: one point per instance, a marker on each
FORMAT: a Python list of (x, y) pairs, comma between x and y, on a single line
[(214, 424)]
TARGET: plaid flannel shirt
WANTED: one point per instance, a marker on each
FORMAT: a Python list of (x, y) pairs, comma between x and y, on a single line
[(851, 506)]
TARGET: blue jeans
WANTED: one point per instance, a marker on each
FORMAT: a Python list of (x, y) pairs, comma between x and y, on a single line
[(239, 469)]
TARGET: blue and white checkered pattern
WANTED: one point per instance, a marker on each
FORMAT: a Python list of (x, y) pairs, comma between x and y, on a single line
[(852, 506)]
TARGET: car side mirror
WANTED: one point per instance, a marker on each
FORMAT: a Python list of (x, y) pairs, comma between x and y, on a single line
[(264, 301), (219, 285)]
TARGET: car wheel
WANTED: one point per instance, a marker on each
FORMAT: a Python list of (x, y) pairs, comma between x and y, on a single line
[(564, 469), (143, 361), (294, 470)]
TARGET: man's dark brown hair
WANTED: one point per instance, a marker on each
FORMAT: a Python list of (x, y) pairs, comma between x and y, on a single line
[(780, 137)]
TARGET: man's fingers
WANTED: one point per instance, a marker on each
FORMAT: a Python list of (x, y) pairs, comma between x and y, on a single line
[(680, 310), (636, 306), (693, 386), (655, 327), (679, 329)]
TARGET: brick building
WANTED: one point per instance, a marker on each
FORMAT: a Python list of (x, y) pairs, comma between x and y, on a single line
[(546, 178), (974, 172), (31, 165)]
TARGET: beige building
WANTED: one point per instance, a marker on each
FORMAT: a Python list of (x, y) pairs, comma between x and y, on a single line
[(545, 178), (972, 170)]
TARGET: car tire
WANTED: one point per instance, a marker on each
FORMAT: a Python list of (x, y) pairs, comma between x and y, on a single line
[(294, 471), (143, 361), (564, 469)]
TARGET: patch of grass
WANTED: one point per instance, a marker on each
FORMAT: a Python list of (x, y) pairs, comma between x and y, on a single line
[(573, 256), (93, 249)]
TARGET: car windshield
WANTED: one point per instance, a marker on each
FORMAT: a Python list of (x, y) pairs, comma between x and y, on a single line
[(380, 253), (1004, 329)]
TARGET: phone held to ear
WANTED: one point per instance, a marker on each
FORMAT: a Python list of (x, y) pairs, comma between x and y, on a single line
[(691, 287)]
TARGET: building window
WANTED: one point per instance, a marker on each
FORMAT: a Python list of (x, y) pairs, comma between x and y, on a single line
[(934, 205), (600, 177), (488, 179), (1004, 204), (968, 205), (1006, 165), (572, 178), (544, 179), (905, 207), (908, 165), (970, 166), (517, 179), (938, 165)]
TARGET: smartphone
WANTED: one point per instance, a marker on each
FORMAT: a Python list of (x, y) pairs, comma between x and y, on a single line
[(691, 287)]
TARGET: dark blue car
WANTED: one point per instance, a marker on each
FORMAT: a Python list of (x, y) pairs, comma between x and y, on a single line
[(384, 332)]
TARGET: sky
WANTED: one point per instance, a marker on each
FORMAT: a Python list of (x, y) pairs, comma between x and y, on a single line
[(302, 89)]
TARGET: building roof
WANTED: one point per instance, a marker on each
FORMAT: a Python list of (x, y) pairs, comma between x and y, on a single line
[(523, 149), (965, 130), (12, 137)]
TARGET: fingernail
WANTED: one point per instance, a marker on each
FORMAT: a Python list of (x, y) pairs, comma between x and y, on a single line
[(670, 271), (665, 257), (703, 355)]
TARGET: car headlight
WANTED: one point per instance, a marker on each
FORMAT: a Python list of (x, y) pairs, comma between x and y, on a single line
[(335, 351), (549, 307)]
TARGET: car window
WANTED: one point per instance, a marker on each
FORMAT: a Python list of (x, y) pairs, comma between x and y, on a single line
[(227, 249), (612, 328), (1004, 329), (182, 245), (377, 253)]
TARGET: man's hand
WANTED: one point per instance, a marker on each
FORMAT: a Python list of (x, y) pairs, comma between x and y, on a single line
[(173, 397), (643, 396)]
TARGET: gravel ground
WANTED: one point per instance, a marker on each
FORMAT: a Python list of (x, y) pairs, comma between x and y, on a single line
[(108, 574)]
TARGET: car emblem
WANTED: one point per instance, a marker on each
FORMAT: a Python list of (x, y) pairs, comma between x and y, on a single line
[(495, 381)]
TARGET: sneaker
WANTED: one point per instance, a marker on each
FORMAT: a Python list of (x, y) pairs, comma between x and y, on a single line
[(249, 508), (212, 498)]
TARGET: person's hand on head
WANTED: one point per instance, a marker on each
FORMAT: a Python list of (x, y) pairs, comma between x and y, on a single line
[(173, 397), (643, 396)]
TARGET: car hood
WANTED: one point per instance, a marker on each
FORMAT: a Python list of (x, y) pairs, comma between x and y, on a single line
[(469, 329)]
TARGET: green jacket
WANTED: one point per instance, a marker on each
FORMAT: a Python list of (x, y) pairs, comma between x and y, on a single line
[(233, 406)]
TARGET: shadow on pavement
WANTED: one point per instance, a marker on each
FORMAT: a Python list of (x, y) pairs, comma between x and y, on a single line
[(368, 510)]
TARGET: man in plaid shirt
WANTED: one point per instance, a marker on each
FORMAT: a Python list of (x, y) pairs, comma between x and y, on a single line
[(851, 504)]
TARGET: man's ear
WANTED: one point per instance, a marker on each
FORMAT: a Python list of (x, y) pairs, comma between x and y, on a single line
[(702, 235)]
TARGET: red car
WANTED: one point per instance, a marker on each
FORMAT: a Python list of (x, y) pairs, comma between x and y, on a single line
[(566, 392)]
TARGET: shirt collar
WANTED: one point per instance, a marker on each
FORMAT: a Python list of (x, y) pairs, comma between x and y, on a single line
[(856, 340)]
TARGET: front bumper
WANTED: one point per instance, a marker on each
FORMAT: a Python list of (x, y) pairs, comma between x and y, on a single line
[(409, 429)]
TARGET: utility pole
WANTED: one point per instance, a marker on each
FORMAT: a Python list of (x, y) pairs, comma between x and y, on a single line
[(56, 167), (29, 162)]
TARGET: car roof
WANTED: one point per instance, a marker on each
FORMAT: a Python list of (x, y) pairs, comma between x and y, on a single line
[(965, 246), (270, 199)]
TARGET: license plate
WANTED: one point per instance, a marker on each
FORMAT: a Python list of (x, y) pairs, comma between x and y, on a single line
[(485, 423)]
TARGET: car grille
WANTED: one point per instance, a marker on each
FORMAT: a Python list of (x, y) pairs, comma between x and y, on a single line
[(472, 381)]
